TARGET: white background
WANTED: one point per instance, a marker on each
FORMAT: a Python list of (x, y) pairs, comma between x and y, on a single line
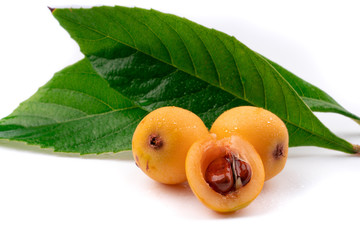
[(46, 195)]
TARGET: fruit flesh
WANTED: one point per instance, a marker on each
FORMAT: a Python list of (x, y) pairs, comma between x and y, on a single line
[(203, 152), (161, 141), (263, 129)]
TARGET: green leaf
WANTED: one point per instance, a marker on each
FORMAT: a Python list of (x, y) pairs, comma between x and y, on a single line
[(76, 111), (157, 59), (315, 98)]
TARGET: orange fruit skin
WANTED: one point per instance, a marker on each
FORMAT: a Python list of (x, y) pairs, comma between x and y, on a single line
[(206, 150), (178, 129), (263, 129)]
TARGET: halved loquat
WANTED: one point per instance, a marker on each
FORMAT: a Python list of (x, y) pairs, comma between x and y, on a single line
[(226, 174)]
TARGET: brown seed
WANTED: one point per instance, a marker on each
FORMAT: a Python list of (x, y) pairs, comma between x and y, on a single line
[(242, 172), (227, 173), (219, 175)]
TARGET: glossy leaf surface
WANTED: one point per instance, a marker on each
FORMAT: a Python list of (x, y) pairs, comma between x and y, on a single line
[(76, 111), (139, 60), (205, 57)]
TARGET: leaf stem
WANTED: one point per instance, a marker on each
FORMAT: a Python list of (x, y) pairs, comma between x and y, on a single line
[(356, 149)]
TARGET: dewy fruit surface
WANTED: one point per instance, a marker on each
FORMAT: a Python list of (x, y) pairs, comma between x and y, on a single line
[(161, 141), (263, 129), (226, 174)]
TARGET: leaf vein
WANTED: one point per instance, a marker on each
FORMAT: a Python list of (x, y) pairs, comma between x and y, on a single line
[(207, 50), (57, 104), (151, 30), (232, 57), (112, 132), (261, 77), (30, 115), (182, 40), (82, 93)]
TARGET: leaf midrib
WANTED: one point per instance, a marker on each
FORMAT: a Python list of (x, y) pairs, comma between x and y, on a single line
[(160, 60), (84, 117), (191, 74)]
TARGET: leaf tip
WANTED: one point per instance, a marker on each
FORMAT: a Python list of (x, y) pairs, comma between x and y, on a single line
[(51, 9)]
